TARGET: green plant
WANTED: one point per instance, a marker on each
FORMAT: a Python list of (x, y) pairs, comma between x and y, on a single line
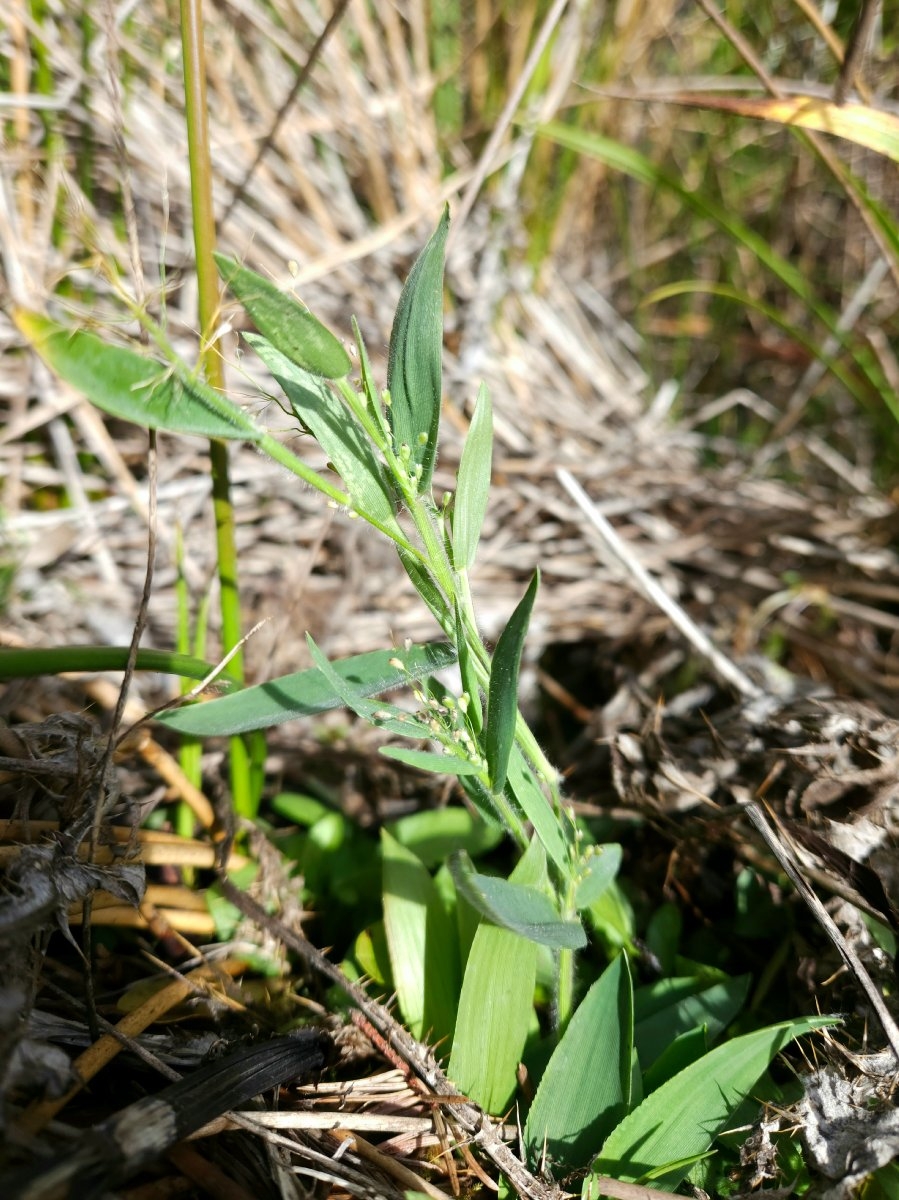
[(495, 935)]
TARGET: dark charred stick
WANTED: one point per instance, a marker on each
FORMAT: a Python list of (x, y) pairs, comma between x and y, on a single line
[(115, 1150)]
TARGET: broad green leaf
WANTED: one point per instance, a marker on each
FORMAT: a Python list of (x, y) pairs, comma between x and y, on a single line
[(680, 1120), (26, 663), (529, 797), (473, 483), (586, 1087), (613, 921), (306, 692), (414, 364), (523, 909), (389, 717), (496, 1004), (437, 764), (288, 325), (132, 386), (596, 871), (323, 413), (434, 834), (670, 1007), (502, 695), (421, 938)]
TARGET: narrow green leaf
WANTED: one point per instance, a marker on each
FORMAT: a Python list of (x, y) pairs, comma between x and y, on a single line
[(502, 695), (288, 325), (437, 764), (132, 386), (631, 162), (528, 795), (524, 910), (586, 1087), (424, 584), (414, 364), (435, 833), (680, 1120), (389, 717), (474, 713), (670, 1007), (496, 1005), (473, 483), (306, 692), (422, 940), (596, 871), (26, 663), (336, 430), (369, 387)]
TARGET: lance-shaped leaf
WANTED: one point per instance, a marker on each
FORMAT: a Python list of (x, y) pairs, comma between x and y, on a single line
[(523, 909), (496, 1006), (437, 764), (586, 1087), (288, 325), (597, 870), (389, 717), (502, 695), (678, 1122), (473, 483), (422, 941), (528, 795), (132, 386), (414, 364), (307, 692), (338, 433)]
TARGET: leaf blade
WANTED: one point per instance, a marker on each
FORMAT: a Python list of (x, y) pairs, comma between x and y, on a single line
[(586, 1087), (524, 910), (414, 362), (473, 483), (288, 325), (132, 386), (502, 695), (305, 692), (702, 1096), (496, 1005)]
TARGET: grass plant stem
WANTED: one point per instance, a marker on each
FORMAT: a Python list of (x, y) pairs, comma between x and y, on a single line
[(196, 117)]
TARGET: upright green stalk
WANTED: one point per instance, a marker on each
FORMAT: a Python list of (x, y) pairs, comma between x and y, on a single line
[(211, 363)]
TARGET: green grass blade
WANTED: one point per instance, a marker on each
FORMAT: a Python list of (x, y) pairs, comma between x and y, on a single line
[(306, 692), (134, 387), (681, 1119), (414, 365), (473, 483), (496, 1006), (336, 430), (55, 660), (423, 943), (289, 326), (523, 909), (630, 162), (502, 695), (586, 1088)]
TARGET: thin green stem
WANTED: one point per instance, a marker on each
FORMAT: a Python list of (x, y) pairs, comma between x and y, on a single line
[(196, 117)]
